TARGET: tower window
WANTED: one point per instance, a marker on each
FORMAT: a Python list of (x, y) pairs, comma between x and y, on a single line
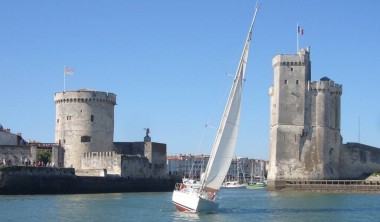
[(331, 151), (68, 117), (297, 81), (85, 139), (57, 120), (92, 118), (291, 69), (286, 81)]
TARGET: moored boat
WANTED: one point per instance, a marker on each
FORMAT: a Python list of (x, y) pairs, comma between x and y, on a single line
[(256, 185)]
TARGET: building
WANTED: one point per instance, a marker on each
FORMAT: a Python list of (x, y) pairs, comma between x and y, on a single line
[(194, 165), (84, 141), (85, 128), (254, 169), (305, 139), (9, 138), (84, 123), (187, 165)]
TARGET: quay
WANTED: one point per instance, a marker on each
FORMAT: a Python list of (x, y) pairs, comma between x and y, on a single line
[(332, 186), (16, 180)]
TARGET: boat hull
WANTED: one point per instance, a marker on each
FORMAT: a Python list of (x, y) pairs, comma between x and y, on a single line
[(257, 186), (240, 186), (185, 201)]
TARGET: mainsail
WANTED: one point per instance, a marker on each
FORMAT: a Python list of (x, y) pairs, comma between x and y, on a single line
[(225, 141), (202, 199)]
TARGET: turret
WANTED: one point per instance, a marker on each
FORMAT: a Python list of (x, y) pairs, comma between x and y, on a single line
[(84, 123)]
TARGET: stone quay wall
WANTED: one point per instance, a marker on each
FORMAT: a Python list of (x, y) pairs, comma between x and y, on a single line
[(39, 180)]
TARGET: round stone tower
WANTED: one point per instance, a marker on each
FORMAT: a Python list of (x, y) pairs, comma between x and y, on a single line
[(84, 123)]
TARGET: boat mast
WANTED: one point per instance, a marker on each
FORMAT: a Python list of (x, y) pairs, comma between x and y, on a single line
[(239, 76)]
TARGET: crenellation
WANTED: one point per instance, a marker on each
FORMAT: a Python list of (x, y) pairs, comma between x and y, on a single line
[(85, 96), (300, 59), (328, 86)]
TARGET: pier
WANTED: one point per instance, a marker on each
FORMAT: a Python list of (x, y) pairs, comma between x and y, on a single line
[(333, 186)]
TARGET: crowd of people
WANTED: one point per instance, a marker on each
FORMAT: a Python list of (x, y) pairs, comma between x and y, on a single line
[(27, 162)]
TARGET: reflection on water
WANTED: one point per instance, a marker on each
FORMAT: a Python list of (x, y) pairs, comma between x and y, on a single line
[(235, 205)]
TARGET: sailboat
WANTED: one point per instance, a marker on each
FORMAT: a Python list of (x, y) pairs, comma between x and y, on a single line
[(203, 198), (257, 184), (236, 182)]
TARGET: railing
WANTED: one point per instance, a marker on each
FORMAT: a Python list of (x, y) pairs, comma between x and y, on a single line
[(334, 185), (44, 145)]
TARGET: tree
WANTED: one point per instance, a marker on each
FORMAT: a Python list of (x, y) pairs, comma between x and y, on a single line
[(44, 155)]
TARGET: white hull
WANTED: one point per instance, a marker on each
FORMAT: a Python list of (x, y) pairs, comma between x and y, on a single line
[(188, 200), (239, 186), (233, 184)]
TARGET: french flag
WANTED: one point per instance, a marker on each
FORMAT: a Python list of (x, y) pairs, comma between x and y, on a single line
[(300, 30)]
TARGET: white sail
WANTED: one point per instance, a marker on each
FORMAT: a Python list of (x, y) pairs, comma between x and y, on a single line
[(202, 199), (224, 145)]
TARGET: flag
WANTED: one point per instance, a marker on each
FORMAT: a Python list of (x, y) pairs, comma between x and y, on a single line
[(300, 30), (68, 70)]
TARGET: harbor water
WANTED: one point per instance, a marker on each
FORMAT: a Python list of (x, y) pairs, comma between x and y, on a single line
[(235, 205)]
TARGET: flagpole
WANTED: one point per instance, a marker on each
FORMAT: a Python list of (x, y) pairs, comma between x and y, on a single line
[(297, 37), (64, 79), (359, 129)]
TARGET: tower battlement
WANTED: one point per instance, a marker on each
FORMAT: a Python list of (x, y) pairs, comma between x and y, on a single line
[(98, 154), (85, 95), (326, 85), (299, 59)]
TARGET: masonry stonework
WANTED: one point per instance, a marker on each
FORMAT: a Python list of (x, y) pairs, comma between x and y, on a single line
[(84, 123), (305, 139)]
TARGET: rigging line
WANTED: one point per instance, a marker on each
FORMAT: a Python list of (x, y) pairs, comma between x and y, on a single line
[(198, 148), (221, 95)]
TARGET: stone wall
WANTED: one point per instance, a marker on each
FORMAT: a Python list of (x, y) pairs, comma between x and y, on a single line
[(57, 156), (135, 167), (156, 153), (128, 166), (102, 160), (7, 138), (129, 148), (36, 171), (47, 180), (91, 172), (358, 161), (16, 153)]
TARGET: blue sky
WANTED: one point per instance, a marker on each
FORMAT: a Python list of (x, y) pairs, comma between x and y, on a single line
[(166, 61)]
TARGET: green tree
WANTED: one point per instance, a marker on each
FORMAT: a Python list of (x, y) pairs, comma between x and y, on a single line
[(44, 155)]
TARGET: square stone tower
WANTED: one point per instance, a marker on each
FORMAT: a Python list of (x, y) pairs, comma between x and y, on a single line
[(304, 123)]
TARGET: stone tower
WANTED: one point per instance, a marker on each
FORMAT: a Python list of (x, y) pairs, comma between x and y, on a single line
[(305, 136), (84, 123)]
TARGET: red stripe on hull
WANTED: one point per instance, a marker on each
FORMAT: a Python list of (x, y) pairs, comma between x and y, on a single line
[(182, 208)]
